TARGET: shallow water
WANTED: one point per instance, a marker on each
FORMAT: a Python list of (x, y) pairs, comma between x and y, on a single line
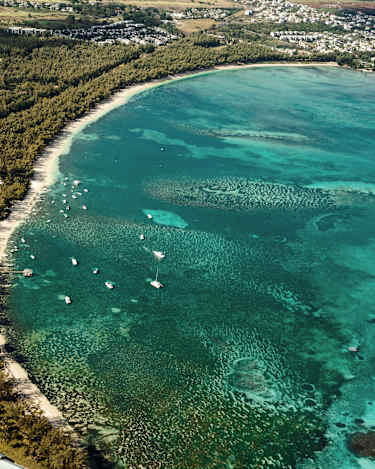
[(261, 185)]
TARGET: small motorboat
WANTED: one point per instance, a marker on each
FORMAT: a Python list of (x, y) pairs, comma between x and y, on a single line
[(32, 256), (353, 348), (95, 271), (74, 261), (68, 300), (149, 216), (159, 255), (74, 196), (76, 182), (85, 190), (141, 237), (23, 240), (68, 207), (64, 201), (84, 207), (109, 285)]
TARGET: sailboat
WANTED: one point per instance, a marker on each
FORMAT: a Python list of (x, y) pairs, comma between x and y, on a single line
[(159, 255), (155, 283)]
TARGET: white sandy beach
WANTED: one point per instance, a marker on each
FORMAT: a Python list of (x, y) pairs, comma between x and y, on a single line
[(46, 172)]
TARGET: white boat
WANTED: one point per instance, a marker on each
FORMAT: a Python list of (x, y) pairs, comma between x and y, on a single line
[(74, 196), (85, 190), (95, 271), (141, 237), (159, 255), (84, 207), (68, 300), (23, 240), (32, 256), (64, 201), (156, 284), (109, 285), (149, 216), (76, 182), (74, 261)]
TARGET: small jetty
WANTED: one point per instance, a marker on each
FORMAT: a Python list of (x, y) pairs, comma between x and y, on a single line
[(24, 272)]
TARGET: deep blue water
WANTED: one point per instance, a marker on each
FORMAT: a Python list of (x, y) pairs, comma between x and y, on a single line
[(261, 184)]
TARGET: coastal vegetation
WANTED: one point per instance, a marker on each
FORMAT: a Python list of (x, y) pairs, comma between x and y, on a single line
[(46, 83), (28, 437)]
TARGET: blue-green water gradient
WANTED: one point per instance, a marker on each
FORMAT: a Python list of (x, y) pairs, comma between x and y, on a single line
[(252, 337)]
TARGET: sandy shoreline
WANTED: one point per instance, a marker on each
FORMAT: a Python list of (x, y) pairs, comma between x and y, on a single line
[(45, 174), (30, 391)]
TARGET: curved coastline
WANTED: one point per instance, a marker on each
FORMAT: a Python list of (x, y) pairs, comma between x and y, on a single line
[(45, 174)]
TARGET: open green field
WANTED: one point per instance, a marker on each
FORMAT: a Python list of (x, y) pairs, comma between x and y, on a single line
[(177, 4), (10, 16), (195, 25)]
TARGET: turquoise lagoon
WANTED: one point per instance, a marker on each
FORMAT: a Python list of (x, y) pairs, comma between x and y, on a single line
[(261, 184)]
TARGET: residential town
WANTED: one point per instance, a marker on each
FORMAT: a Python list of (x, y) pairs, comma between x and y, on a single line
[(283, 11), (355, 32), (195, 13), (361, 41), (125, 32), (351, 32)]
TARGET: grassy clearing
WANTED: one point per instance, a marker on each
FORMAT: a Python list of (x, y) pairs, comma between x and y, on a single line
[(9, 15), (193, 26), (178, 4)]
